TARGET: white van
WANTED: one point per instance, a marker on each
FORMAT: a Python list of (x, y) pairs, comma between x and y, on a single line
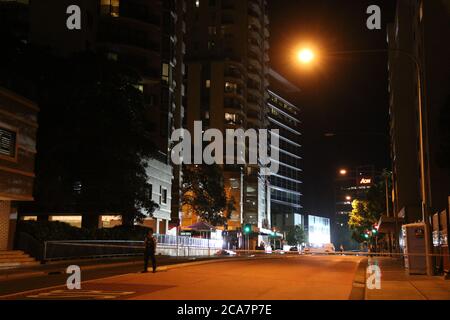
[(325, 248)]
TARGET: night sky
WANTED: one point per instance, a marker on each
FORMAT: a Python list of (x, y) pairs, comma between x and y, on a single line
[(345, 95)]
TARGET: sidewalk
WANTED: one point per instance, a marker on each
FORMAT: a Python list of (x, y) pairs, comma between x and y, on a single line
[(396, 284)]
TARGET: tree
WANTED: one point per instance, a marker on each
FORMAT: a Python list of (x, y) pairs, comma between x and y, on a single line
[(94, 137), (204, 193), (296, 235), (361, 219)]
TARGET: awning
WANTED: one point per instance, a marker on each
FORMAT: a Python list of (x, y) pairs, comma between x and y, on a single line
[(201, 226), (387, 224)]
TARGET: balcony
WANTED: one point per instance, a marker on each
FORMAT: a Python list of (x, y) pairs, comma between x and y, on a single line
[(256, 35), (255, 64), (254, 23), (254, 9)]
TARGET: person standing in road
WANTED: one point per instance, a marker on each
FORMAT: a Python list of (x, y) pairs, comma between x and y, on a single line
[(149, 250)]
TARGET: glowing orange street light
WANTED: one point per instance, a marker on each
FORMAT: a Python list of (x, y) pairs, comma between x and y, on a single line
[(342, 172), (348, 198), (305, 56)]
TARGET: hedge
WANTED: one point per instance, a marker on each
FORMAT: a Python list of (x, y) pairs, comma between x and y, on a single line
[(54, 230)]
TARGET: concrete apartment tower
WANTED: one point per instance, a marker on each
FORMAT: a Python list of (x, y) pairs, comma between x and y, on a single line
[(228, 65), (148, 36), (413, 33)]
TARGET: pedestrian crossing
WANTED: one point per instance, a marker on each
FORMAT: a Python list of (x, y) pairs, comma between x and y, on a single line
[(80, 295)]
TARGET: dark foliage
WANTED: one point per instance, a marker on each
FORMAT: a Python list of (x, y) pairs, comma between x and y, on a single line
[(203, 191)]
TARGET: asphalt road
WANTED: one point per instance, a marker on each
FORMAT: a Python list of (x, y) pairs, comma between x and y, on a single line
[(286, 278)]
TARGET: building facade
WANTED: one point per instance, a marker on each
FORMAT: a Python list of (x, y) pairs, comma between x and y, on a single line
[(419, 70), (227, 80), (18, 127), (285, 185), (350, 184), (147, 36)]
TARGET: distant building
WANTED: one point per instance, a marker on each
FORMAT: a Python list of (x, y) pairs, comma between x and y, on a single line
[(349, 185), (285, 185), (18, 127), (319, 230)]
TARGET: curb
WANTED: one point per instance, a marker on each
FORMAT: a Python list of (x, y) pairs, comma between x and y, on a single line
[(359, 281)]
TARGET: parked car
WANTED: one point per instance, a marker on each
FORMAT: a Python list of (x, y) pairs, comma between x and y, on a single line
[(325, 248), (293, 249)]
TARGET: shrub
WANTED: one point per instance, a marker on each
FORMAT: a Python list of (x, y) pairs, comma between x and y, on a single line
[(54, 230)]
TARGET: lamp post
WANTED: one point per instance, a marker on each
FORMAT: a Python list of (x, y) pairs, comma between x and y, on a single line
[(306, 56)]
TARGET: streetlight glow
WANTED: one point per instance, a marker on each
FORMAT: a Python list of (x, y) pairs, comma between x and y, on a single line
[(305, 56), (342, 172)]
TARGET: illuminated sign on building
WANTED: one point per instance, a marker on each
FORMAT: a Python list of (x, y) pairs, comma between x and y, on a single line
[(365, 181)]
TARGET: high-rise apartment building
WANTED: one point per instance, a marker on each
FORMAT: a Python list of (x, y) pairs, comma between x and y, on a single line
[(227, 61), (419, 70), (147, 36), (285, 185), (350, 184)]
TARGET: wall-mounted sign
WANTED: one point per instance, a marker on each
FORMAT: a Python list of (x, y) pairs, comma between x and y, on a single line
[(365, 181), (7, 143)]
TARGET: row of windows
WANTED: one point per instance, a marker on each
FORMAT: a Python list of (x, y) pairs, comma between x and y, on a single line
[(285, 197), (285, 184)]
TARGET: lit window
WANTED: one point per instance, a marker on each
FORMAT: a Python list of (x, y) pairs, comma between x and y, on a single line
[(29, 218), (165, 73), (110, 221), (8, 143), (140, 87), (74, 221), (230, 87), (112, 56), (421, 11), (230, 117), (212, 30), (110, 7), (208, 83)]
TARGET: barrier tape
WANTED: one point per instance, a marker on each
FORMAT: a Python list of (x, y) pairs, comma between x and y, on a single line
[(338, 253)]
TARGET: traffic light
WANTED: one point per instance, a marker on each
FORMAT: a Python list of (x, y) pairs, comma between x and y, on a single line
[(247, 228), (366, 236), (374, 231)]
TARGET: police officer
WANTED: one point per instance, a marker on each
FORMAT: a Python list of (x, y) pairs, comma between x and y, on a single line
[(150, 248)]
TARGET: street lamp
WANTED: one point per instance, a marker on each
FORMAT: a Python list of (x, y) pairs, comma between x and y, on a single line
[(307, 56), (342, 172)]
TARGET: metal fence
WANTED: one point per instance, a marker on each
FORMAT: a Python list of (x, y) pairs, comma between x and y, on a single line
[(167, 245)]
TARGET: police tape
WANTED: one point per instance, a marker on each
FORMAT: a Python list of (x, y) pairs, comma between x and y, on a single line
[(259, 252)]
